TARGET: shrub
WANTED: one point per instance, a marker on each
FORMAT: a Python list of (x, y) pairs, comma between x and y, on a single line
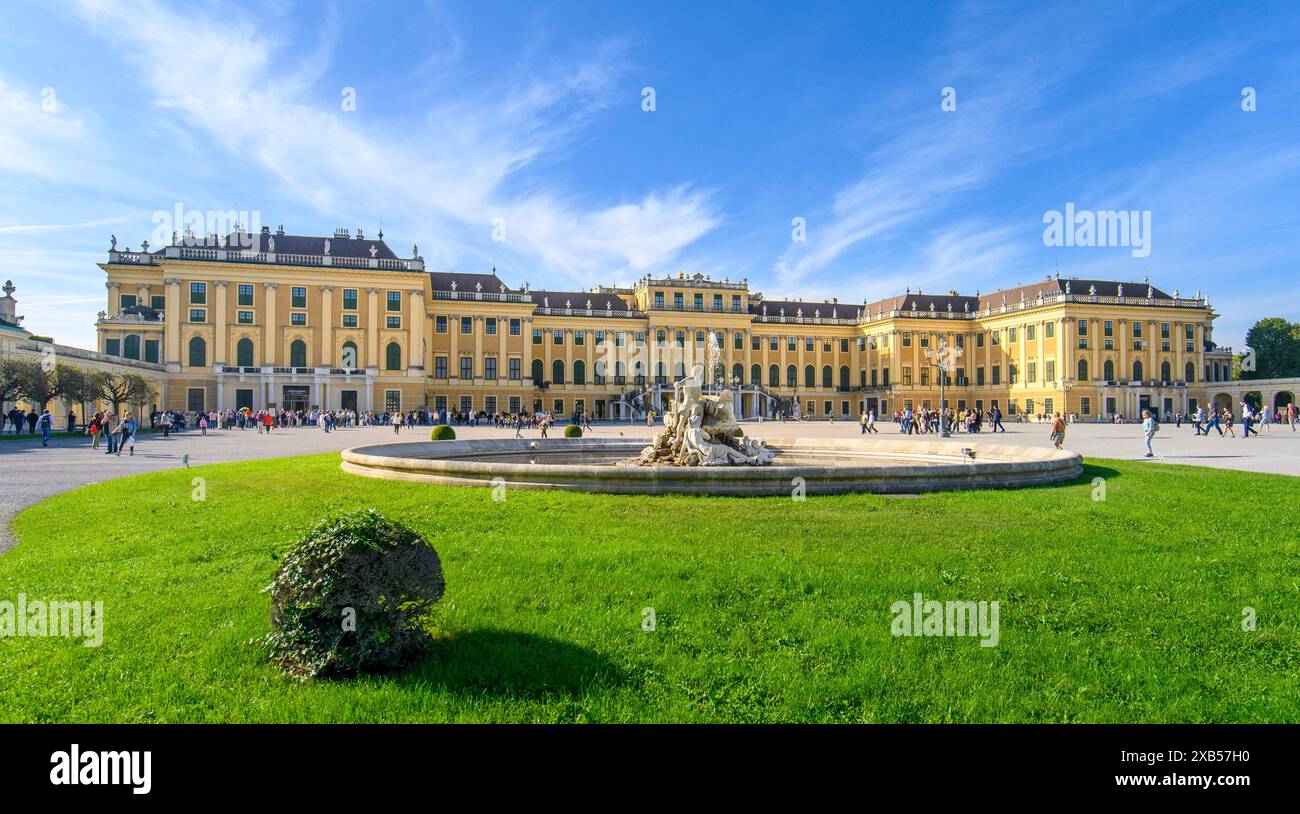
[(573, 431), (443, 433), (355, 595)]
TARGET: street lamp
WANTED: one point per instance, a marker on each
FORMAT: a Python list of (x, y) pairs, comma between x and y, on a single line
[(1067, 384), (944, 357)]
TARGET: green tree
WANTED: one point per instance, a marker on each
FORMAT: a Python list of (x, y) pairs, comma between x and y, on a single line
[(125, 388), (1276, 343), (37, 382), (10, 376), (78, 386)]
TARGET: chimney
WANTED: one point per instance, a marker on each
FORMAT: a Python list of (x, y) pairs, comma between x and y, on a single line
[(359, 235), (280, 230), (341, 234)]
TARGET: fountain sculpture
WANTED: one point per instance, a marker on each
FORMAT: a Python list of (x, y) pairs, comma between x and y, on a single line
[(701, 430)]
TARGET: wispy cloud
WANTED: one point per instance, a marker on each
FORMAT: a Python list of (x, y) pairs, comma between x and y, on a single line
[(454, 175)]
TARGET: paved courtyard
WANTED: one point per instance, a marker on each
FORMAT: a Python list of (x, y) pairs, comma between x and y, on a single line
[(32, 473)]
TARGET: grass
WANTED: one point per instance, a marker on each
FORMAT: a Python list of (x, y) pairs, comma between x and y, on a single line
[(1126, 609)]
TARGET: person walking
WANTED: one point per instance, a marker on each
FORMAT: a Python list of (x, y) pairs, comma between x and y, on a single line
[(46, 423), (203, 423), (1248, 420), (1149, 429), (92, 429), (1198, 418), (863, 422), (997, 419), (871, 422), (127, 429), (1213, 414), (1227, 422), (108, 428), (1058, 430)]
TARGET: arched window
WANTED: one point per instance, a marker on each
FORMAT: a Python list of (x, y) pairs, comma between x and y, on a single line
[(393, 356), (755, 374), (1108, 371), (298, 353), (539, 371), (1137, 370), (349, 357), (131, 347), (738, 372), (557, 371), (809, 376), (1083, 371), (1165, 373), (791, 376), (1189, 374), (579, 372), (679, 371), (774, 376), (244, 352), (620, 369), (828, 377), (844, 376), (198, 352)]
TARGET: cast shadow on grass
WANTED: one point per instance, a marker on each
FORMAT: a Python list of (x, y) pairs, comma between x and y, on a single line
[(510, 664)]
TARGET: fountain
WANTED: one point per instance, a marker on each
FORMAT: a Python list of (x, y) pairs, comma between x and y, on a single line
[(701, 430), (702, 450)]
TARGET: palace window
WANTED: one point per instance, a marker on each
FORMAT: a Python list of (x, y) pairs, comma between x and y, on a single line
[(467, 367), (245, 294), (516, 369), (557, 337), (298, 297), (1049, 330), (677, 300), (394, 300), (659, 299), (297, 318), (537, 336), (198, 293), (393, 356), (349, 320), (440, 367), (490, 326), (515, 327), (198, 352), (393, 322), (198, 315), (349, 299), (126, 301), (467, 325), (440, 325), (490, 367), (392, 401), (244, 317)]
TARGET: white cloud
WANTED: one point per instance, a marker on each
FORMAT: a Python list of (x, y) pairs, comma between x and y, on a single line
[(451, 174)]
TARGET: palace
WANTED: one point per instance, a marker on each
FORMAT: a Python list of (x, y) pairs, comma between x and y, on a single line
[(270, 319)]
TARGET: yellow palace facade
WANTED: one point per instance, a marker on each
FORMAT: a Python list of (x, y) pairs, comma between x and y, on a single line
[(272, 320)]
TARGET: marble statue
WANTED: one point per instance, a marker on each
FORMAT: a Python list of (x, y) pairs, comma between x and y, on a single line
[(701, 430)]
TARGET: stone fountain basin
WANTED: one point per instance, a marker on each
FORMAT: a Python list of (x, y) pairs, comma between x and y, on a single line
[(827, 466)]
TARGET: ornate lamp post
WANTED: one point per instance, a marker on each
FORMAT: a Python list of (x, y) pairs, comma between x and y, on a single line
[(1067, 384), (944, 357)]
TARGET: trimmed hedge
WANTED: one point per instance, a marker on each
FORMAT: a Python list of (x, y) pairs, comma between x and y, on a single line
[(442, 433), (573, 431), (355, 595)]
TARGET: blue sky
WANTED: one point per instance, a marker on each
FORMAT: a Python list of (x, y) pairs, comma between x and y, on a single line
[(532, 114)]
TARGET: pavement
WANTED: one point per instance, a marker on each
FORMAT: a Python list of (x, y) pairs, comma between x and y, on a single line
[(30, 473)]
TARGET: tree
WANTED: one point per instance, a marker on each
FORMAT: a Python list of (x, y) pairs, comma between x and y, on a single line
[(78, 385), (1276, 343), (124, 388), (10, 375), (37, 382)]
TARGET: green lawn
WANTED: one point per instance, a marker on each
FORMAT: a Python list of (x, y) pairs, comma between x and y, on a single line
[(1127, 609)]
